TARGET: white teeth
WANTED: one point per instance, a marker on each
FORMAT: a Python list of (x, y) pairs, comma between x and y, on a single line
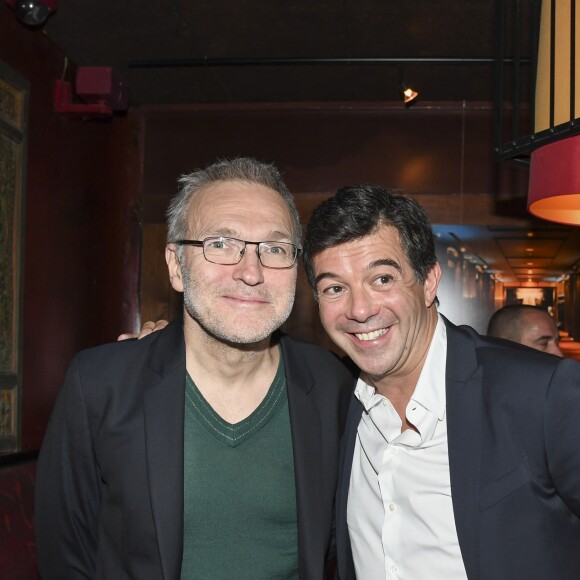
[(371, 335)]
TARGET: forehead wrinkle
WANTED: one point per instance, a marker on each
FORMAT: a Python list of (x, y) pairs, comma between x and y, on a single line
[(275, 235), (371, 266), (326, 275), (385, 262), (278, 236), (226, 232), (222, 192)]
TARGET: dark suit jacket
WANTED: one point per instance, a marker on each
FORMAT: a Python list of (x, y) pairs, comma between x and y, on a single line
[(513, 421), (109, 499)]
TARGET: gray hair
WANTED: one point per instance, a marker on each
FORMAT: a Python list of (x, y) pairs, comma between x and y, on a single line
[(238, 169)]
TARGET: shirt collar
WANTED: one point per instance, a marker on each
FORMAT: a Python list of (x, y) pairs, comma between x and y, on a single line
[(430, 389)]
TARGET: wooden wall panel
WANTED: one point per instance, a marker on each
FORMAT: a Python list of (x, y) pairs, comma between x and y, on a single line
[(82, 219), (159, 300), (427, 150), (442, 155)]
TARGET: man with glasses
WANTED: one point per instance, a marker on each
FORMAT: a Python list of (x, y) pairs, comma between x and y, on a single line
[(208, 449)]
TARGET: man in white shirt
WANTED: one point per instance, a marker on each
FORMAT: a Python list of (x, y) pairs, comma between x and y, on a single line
[(461, 455)]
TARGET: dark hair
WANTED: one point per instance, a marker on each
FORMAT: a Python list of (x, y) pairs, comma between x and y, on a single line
[(237, 169), (508, 321), (357, 211)]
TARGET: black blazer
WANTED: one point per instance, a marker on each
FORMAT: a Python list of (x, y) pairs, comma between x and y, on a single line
[(513, 421), (109, 492)]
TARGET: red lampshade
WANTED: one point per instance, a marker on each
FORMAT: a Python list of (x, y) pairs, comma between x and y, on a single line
[(554, 189)]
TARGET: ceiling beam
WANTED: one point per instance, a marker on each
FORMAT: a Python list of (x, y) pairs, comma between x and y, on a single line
[(210, 62)]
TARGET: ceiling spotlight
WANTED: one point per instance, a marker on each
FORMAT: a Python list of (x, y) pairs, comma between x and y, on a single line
[(32, 12), (408, 94)]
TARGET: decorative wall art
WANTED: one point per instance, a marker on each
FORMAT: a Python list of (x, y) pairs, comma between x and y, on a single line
[(13, 120)]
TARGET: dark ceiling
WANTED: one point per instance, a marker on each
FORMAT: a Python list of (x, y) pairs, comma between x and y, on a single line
[(242, 51), (446, 48)]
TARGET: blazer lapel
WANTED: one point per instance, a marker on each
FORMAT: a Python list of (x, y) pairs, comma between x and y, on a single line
[(347, 444), (164, 408), (306, 442), (464, 410)]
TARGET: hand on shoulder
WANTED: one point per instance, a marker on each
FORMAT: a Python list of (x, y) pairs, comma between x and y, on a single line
[(147, 328)]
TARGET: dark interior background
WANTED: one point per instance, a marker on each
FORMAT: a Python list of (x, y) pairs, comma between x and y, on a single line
[(213, 80), (310, 86)]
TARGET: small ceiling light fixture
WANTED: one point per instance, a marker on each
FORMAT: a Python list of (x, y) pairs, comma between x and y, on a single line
[(32, 12), (408, 93)]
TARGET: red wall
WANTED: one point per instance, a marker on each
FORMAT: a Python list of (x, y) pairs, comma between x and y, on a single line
[(81, 227), (428, 149), (440, 153), (84, 178)]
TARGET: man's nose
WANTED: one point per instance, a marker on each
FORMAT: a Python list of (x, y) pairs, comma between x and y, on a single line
[(361, 306), (554, 348), (249, 269)]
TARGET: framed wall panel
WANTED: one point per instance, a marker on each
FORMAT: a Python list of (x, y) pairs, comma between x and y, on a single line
[(13, 125)]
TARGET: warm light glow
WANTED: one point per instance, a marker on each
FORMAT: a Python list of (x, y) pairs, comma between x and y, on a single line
[(528, 296), (554, 185), (563, 208), (561, 68), (410, 94)]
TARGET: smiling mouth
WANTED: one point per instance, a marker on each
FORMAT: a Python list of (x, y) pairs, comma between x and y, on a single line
[(366, 336), (247, 299)]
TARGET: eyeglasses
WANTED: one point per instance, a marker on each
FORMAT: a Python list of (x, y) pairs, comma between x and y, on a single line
[(229, 251)]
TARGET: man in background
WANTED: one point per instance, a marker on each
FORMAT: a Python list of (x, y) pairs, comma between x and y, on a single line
[(528, 325), (210, 448)]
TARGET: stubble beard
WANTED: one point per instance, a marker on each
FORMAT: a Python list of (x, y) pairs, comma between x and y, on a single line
[(210, 321)]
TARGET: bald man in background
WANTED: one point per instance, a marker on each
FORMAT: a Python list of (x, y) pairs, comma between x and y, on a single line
[(528, 325)]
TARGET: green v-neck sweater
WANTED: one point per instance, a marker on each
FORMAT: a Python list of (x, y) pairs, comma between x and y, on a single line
[(239, 491)]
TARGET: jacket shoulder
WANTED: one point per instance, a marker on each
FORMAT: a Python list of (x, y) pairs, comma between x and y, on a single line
[(160, 351), (501, 358), (113, 352), (318, 359)]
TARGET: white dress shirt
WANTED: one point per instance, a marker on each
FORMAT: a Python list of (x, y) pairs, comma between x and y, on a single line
[(400, 515)]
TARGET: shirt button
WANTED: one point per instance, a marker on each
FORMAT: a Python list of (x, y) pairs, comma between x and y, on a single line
[(392, 507), (394, 569)]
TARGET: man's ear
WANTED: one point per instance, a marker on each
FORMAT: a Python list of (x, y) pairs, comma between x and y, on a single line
[(173, 267), (431, 284)]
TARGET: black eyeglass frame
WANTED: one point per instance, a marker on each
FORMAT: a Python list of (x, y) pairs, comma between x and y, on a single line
[(201, 243)]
